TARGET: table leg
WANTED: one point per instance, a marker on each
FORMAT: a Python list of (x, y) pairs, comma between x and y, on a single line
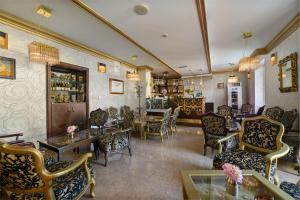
[(142, 131)]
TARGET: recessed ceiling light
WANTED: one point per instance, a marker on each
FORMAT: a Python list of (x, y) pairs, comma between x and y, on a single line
[(134, 57), (141, 9), (43, 11)]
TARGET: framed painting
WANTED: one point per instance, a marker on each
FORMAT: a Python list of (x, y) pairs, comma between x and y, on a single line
[(116, 86), (7, 68), (220, 85)]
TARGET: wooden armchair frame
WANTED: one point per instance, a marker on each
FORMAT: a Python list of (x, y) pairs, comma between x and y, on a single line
[(46, 176), (271, 155)]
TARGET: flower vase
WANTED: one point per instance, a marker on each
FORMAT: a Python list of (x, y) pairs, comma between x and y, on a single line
[(232, 187)]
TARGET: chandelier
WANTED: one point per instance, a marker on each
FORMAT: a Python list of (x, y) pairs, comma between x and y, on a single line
[(246, 64), (42, 53)]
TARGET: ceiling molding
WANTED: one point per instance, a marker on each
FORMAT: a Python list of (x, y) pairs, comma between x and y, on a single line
[(203, 25), (290, 28), (44, 33), (223, 71), (105, 21)]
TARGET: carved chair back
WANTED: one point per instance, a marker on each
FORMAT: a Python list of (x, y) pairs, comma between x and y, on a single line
[(124, 109), (98, 118), (175, 116), (225, 111), (261, 134), (213, 124), (165, 121), (22, 168), (288, 118), (112, 112), (128, 119), (246, 108), (274, 113)]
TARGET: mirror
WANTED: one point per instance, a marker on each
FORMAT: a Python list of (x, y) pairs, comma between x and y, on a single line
[(288, 75)]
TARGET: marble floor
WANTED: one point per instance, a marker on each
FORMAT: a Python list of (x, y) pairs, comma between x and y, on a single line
[(153, 171)]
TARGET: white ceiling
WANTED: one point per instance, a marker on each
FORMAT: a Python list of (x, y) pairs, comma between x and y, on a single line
[(73, 22), (228, 19), (178, 18)]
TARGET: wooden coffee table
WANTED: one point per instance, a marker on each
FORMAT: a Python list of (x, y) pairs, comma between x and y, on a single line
[(60, 144)]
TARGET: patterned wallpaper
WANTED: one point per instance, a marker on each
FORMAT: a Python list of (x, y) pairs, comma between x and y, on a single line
[(23, 101)]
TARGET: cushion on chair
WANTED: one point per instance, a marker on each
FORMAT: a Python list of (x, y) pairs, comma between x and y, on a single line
[(244, 160), (292, 189), (120, 141), (69, 186), (105, 142)]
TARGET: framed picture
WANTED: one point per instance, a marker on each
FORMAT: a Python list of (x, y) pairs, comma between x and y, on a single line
[(3, 40), (116, 86), (7, 68), (220, 85)]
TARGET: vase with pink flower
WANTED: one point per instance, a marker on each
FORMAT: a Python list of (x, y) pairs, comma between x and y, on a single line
[(234, 178), (71, 130)]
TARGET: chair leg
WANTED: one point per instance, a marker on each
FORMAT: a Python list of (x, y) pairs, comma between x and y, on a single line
[(129, 150), (92, 186), (162, 138), (276, 180), (106, 158)]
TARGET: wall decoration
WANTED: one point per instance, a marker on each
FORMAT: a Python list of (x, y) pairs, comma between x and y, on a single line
[(7, 68), (273, 58), (220, 85), (42, 53), (102, 67), (3, 40), (116, 71), (116, 86), (288, 73)]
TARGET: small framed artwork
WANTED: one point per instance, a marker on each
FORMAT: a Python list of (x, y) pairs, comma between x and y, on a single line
[(116, 86), (3, 40), (102, 67), (7, 68), (220, 85)]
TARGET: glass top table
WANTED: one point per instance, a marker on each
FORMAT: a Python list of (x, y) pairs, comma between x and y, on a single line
[(62, 143), (211, 184)]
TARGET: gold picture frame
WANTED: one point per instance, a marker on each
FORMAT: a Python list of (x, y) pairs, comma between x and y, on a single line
[(7, 68), (3, 40), (288, 73), (116, 86)]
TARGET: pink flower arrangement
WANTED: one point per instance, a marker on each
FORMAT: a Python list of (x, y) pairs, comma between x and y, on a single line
[(71, 129), (233, 172)]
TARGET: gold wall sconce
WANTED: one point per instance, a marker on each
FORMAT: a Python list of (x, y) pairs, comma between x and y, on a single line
[(273, 58), (102, 67), (3, 40)]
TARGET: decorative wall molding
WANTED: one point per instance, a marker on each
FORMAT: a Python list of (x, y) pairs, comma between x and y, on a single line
[(290, 28), (203, 25), (223, 71), (109, 24), (44, 33)]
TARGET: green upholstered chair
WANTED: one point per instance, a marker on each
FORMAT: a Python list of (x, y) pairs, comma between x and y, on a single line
[(260, 146)]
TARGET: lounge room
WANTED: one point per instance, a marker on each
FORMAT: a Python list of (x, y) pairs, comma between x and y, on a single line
[(155, 99)]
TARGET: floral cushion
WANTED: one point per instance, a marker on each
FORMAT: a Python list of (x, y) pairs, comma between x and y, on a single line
[(261, 133), (274, 113), (105, 142), (292, 189), (243, 159), (213, 124), (120, 141), (69, 186)]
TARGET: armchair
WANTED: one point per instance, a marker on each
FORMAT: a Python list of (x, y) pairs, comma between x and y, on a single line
[(260, 146), (225, 111), (214, 128), (172, 124), (159, 127), (124, 109), (114, 117), (32, 180), (274, 113), (98, 118), (292, 189), (246, 109)]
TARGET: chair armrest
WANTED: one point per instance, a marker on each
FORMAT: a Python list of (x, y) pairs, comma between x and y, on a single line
[(82, 160), (11, 135), (278, 154), (225, 139)]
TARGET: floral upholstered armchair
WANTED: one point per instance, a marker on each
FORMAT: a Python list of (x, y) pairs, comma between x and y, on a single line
[(225, 111), (260, 146), (110, 141), (113, 117), (214, 128), (292, 189), (274, 113), (159, 127), (24, 175), (124, 109), (173, 119), (246, 108)]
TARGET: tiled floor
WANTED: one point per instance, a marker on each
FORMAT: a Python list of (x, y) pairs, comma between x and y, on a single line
[(153, 171)]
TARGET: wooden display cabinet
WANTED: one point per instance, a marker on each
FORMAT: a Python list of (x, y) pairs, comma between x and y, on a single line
[(67, 98)]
